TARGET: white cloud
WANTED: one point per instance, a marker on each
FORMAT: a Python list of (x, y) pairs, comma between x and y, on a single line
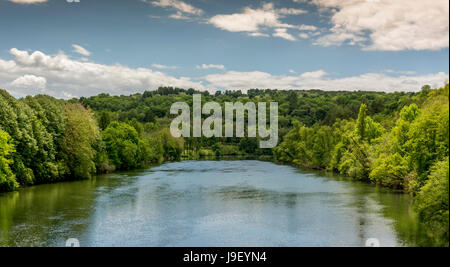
[(282, 33), (211, 66), (255, 21), (406, 72), (313, 74), (162, 67), (303, 35), (66, 77), (292, 11), (60, 76), (258, 34), (81, 50), (304, 27), (28, 1), (178, 15), (30, 82), (387, 25), (182, 9), (234, 80), (249, 21)]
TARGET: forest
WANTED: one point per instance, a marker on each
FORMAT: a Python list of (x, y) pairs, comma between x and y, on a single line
[(397, 140)]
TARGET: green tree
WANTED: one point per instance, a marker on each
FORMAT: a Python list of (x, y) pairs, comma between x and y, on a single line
[(104, 120), (80, 137), (432, 201), (361, 122), (7, 178), (390, 171), (126, 149)]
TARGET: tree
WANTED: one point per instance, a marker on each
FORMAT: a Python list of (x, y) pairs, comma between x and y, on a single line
[(7, 178), (361, 122), (105, 120), (432, 200), (80, 136), (126, 149), (390, 171), (171, 146)]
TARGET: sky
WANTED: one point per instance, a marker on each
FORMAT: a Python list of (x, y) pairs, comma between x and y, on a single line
[(70, 49)]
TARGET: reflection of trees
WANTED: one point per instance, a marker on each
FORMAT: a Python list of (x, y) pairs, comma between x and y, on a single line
[(45, 215), (409, 229), (7, 207)]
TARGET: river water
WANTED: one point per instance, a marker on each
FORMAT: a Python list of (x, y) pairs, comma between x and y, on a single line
[(210, 203)]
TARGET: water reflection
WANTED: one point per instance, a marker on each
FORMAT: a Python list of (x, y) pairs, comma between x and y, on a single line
[(209, 203)]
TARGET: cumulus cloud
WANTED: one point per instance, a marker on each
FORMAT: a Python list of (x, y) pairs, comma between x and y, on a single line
[(255, 21), (234, 80), (30, 81), (182, 9), (313, 74), (282, 33), (387, 25), (66, 77), (162, 67), (28, 1), (210, 66), (292, 11), (60, 76), (304, 27), (258, 34), (303, 35), (81, 50)]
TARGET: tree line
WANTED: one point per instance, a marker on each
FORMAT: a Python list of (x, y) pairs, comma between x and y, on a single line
[(43, 139), (409, 153)]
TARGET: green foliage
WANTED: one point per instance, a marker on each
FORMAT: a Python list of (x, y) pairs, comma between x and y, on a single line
[(361, 122), (126, 149), (390, 171), (171, 146), (7, 178), (80, 137), (432, 200), (35, 124), (104, 120), (412, 156), (121, 142)]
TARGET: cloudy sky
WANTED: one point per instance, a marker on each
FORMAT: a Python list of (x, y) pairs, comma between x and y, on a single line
[(71, 49)]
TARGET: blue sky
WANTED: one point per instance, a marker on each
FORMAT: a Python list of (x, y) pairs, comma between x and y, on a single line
[(129, 46)]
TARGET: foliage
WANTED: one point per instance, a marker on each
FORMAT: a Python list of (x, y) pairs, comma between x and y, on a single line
[(7, 178), (412, 155), (432, 200), (81, 134)]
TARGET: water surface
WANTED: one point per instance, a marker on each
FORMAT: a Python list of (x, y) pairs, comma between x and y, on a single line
[(209, 203)]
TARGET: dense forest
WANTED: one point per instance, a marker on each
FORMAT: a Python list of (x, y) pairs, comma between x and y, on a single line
[(397, 140)]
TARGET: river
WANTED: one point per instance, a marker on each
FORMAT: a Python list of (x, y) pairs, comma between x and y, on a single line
[(210, 203)]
